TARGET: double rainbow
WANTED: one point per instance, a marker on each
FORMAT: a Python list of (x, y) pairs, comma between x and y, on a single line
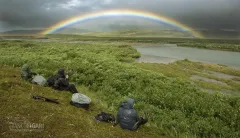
[(125, 13)]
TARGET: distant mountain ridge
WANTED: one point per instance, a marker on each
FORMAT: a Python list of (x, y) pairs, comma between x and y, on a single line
[(38, 31), (133, 31), (25, 32)]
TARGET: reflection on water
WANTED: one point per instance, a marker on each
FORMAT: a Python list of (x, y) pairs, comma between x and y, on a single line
[(170, 53), (155, 59)]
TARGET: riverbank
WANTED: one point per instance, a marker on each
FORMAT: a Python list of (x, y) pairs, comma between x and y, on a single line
[(207, 77), (216, 71)]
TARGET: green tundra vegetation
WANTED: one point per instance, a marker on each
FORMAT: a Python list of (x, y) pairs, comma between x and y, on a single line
[(61, 120), (217, 44), (175, 105), (143, 36), (206, 72)]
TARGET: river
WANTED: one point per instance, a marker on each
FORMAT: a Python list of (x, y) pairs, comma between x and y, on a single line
[(167, 53)]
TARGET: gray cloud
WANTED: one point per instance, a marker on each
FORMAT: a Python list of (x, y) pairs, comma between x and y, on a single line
[(216, 14), (36, 13)]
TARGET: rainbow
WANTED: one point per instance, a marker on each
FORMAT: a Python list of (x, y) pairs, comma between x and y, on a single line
[(125, 13)]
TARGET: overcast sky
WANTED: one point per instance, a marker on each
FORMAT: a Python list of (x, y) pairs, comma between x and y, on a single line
[(210, 14)]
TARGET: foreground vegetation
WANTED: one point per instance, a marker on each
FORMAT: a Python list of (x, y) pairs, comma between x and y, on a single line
[(174, 105), (59, 121)]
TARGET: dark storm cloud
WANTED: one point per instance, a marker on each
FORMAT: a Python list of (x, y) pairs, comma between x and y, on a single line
[(213, 14), (216, 14), (36, 13)]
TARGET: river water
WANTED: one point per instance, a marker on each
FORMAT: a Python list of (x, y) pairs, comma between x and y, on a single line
[(170, 52)]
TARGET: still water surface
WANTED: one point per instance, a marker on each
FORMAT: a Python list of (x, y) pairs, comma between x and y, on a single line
[(169, 53)]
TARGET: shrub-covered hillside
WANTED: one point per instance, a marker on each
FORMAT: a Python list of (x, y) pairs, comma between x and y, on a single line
[(173, 105)]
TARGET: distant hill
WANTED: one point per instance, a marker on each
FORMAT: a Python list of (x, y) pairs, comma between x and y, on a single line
[(135, 32), (22, 32), (221, 33), (73, 31), (116, 30), (37, 31), (142, 33)]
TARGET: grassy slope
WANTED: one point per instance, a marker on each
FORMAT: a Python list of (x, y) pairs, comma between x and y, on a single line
[(172, 104), (61, 120), (185, 69)]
